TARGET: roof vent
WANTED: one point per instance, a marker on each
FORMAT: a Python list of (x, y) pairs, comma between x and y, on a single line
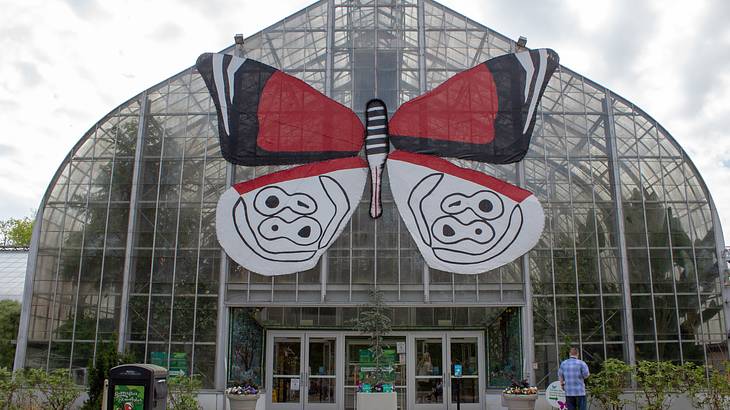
[(521, 43)]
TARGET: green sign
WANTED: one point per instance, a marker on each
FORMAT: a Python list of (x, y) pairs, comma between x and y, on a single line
[(178, 362), (389, 357), (128, 397)]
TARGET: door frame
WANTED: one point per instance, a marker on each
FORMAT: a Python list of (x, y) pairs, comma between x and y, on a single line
[(446, 336), (304, 337), (339, 336)]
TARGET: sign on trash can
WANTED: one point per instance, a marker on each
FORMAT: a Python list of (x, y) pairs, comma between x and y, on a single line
[(137, 387)]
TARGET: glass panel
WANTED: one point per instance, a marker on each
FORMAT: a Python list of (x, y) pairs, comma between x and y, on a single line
[(356, 351), (287, 356), (322, 365), (429, 371), (465, 388)]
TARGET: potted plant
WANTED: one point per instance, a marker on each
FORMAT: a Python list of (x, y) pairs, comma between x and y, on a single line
[(242, 397), (519, 396), (376, 390)]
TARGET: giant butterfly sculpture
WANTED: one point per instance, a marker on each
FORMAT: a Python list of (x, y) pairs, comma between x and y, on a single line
[(462, 220)]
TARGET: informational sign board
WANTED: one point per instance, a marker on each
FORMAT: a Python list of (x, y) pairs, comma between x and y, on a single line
[(178, 365), (555, 395), (294, 385), (128, 397), (457, 370)]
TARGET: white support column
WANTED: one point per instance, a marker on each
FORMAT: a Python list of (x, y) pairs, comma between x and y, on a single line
[(616, 179), (720, 243), (22, 340), (528, 335), (421, 46), (221, 346), (132, 221)]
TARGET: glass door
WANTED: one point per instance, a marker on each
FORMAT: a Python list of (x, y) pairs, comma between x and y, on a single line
[(302, 371), (429, 372), (321, 372), (465, 351), (284, 371), (435, 359)]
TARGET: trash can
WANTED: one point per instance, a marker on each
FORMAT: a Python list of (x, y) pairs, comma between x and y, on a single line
[(137, 387)]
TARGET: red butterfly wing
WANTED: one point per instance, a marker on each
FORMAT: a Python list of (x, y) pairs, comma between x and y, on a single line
[(267, 117), (484, 114)]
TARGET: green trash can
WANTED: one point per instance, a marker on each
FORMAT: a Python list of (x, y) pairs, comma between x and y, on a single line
[(137, 387)]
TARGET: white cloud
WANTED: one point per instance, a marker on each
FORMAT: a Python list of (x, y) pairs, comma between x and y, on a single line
[(67, 63)]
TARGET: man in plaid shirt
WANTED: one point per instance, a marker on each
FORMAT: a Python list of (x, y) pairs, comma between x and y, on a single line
[(572, 374)]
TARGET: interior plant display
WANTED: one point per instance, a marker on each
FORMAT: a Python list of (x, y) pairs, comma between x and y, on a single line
[(242, 396), (246, 350), (519, 396)]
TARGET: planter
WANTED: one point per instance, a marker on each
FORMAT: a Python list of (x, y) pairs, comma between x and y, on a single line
[(242, 401), (377, 401), (519, 401)]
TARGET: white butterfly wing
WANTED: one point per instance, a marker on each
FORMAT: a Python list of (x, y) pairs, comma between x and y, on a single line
[(283, 222), (462, 220)]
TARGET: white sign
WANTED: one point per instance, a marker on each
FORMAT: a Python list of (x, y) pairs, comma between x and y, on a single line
[(555, 395), (400, 347), (294, 385)]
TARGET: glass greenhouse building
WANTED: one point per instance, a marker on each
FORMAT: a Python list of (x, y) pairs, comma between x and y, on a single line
[(124, 252)]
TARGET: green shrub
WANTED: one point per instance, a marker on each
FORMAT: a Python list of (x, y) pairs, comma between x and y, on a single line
[(182, 393), (607, 385), (656, 381), (37, 389), (710, 391), (54, 391)]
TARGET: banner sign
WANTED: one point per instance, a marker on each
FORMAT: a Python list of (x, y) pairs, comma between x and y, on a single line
[(128, 397)]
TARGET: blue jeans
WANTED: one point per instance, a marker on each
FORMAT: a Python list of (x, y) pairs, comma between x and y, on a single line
[(576, 402)]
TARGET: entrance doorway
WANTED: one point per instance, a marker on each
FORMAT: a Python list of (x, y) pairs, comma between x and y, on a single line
[(435, 360), (304, 371), (319, 370)]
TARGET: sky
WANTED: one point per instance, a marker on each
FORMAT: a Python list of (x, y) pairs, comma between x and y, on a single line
[(64, 64)]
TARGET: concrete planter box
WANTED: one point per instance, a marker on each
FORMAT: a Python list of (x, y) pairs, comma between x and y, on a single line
[(242, 401), (519, 401), (377, 401)]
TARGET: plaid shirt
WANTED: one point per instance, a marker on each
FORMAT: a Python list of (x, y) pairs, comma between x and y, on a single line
[(573, 371)]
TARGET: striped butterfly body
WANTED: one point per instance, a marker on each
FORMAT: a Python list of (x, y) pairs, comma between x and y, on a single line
[(462, 220)]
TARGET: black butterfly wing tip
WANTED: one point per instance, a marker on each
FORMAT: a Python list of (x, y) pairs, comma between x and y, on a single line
[(203, 58), (553, 55)]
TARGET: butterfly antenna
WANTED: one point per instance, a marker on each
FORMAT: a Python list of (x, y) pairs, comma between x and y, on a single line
[(376, 150)]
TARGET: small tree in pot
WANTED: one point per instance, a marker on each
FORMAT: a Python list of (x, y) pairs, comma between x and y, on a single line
[(375, 322)]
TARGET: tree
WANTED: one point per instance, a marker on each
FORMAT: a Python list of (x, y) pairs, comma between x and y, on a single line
[(374, 321), (9, 321), (107, 357), (16, 232), (607, 385)]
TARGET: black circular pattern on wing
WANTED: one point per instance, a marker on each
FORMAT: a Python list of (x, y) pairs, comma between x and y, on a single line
[(305, 232), (486, 205), (272, 201), (448, 231)]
